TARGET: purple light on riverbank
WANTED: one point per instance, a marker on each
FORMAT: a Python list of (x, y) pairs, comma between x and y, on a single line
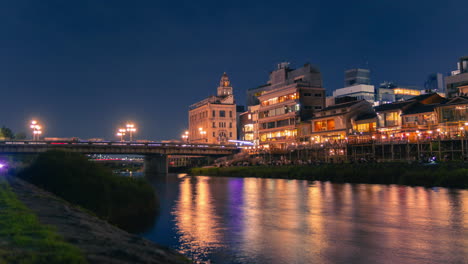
[(2, 165)]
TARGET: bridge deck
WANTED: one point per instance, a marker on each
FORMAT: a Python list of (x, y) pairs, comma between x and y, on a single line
[(110, 147)]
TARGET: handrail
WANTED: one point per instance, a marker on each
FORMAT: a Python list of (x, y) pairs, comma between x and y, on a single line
[(116, 144)]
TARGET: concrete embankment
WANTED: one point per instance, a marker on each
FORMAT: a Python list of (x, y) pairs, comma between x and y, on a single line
[(100, 241)]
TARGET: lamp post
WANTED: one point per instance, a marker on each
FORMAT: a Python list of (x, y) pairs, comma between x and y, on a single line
[(131, 129), (121, 133), (37, 129), (185, 136), (462, 138), (202, 133)]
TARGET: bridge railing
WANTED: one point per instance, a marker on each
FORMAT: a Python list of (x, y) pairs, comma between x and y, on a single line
[(117, 143)]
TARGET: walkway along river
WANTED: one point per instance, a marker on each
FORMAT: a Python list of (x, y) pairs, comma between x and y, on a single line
[(252, 220)]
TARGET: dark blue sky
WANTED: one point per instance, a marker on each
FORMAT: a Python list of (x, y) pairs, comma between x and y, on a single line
[(84, 67)]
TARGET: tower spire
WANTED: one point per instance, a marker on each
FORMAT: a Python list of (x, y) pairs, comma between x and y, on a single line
[(224, 88)]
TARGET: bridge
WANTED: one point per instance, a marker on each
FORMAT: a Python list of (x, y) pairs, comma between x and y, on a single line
[(155, 152)]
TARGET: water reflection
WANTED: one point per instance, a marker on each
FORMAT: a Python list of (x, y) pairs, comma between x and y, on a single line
[(232, 220)]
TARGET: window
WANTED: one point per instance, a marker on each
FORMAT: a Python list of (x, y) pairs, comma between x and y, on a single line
[(222, 113), (230, 114), (214, 134), (214, 113), (324, 125), (230, 134), (318, 95), (214, 124), (307, 94), (391, 119), (230, 125), (317, 107), (307, 107)]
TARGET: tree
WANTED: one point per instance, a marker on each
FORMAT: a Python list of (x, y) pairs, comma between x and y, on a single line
[(6, 133), (20, 136)]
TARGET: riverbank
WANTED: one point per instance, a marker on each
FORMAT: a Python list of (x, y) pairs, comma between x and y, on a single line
[(127, 202), (23, 239), (451, 175), (99, 241)]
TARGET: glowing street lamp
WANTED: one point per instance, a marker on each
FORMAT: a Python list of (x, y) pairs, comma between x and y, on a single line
[(121, 133), (37, 129), (131, 129), (202, 133), (185, 136)]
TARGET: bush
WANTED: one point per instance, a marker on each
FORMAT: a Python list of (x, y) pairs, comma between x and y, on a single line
[(123, 201)]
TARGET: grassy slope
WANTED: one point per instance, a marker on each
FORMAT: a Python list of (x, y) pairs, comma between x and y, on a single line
[(24, 240)]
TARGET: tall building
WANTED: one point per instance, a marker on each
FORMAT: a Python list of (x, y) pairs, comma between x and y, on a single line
[(457, 83), (293, 95), (435, 83), (357, 76), (359, 91), (213, 120), (283, 75)]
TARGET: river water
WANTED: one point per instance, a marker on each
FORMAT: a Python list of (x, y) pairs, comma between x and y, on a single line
[(250, 220)]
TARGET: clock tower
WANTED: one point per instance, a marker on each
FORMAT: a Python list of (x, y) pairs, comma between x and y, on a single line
[(224, 88)]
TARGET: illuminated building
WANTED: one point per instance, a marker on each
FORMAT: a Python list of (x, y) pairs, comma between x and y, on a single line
[(390, 116), (359, 91), (213, 120), (295, 95), (249, 125), (457, 83), (452, 115), (336, 122)]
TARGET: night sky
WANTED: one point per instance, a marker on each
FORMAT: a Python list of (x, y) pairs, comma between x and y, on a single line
[(85, 67)]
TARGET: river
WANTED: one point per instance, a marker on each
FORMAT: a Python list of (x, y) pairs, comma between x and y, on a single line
[(250, 220)]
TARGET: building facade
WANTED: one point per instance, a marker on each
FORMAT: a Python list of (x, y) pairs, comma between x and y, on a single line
[(295, 95), (457, 83), (214, 119), (357, 76), (359, 91)]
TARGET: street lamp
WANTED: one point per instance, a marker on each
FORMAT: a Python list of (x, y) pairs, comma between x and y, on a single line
[(37, 129), (185, 136), (202, 133), (121, 133), (131, 128)]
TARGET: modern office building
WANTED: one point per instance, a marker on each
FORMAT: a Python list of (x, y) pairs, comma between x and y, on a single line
[(357, 76), (457, 83), (213, 120), (294, 95), (359, 91)]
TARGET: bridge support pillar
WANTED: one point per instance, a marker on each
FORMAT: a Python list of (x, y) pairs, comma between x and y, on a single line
[(156, 164)]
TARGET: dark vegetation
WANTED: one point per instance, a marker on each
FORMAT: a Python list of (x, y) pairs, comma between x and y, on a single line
[(129, 203), (452, 175), (24, 240)]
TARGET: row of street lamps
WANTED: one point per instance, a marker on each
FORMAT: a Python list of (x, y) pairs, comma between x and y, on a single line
[(129, 128), (36, 129), (185, 136), (121, 132)]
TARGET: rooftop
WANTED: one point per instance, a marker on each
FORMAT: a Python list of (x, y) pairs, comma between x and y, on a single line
[(342, 105)]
